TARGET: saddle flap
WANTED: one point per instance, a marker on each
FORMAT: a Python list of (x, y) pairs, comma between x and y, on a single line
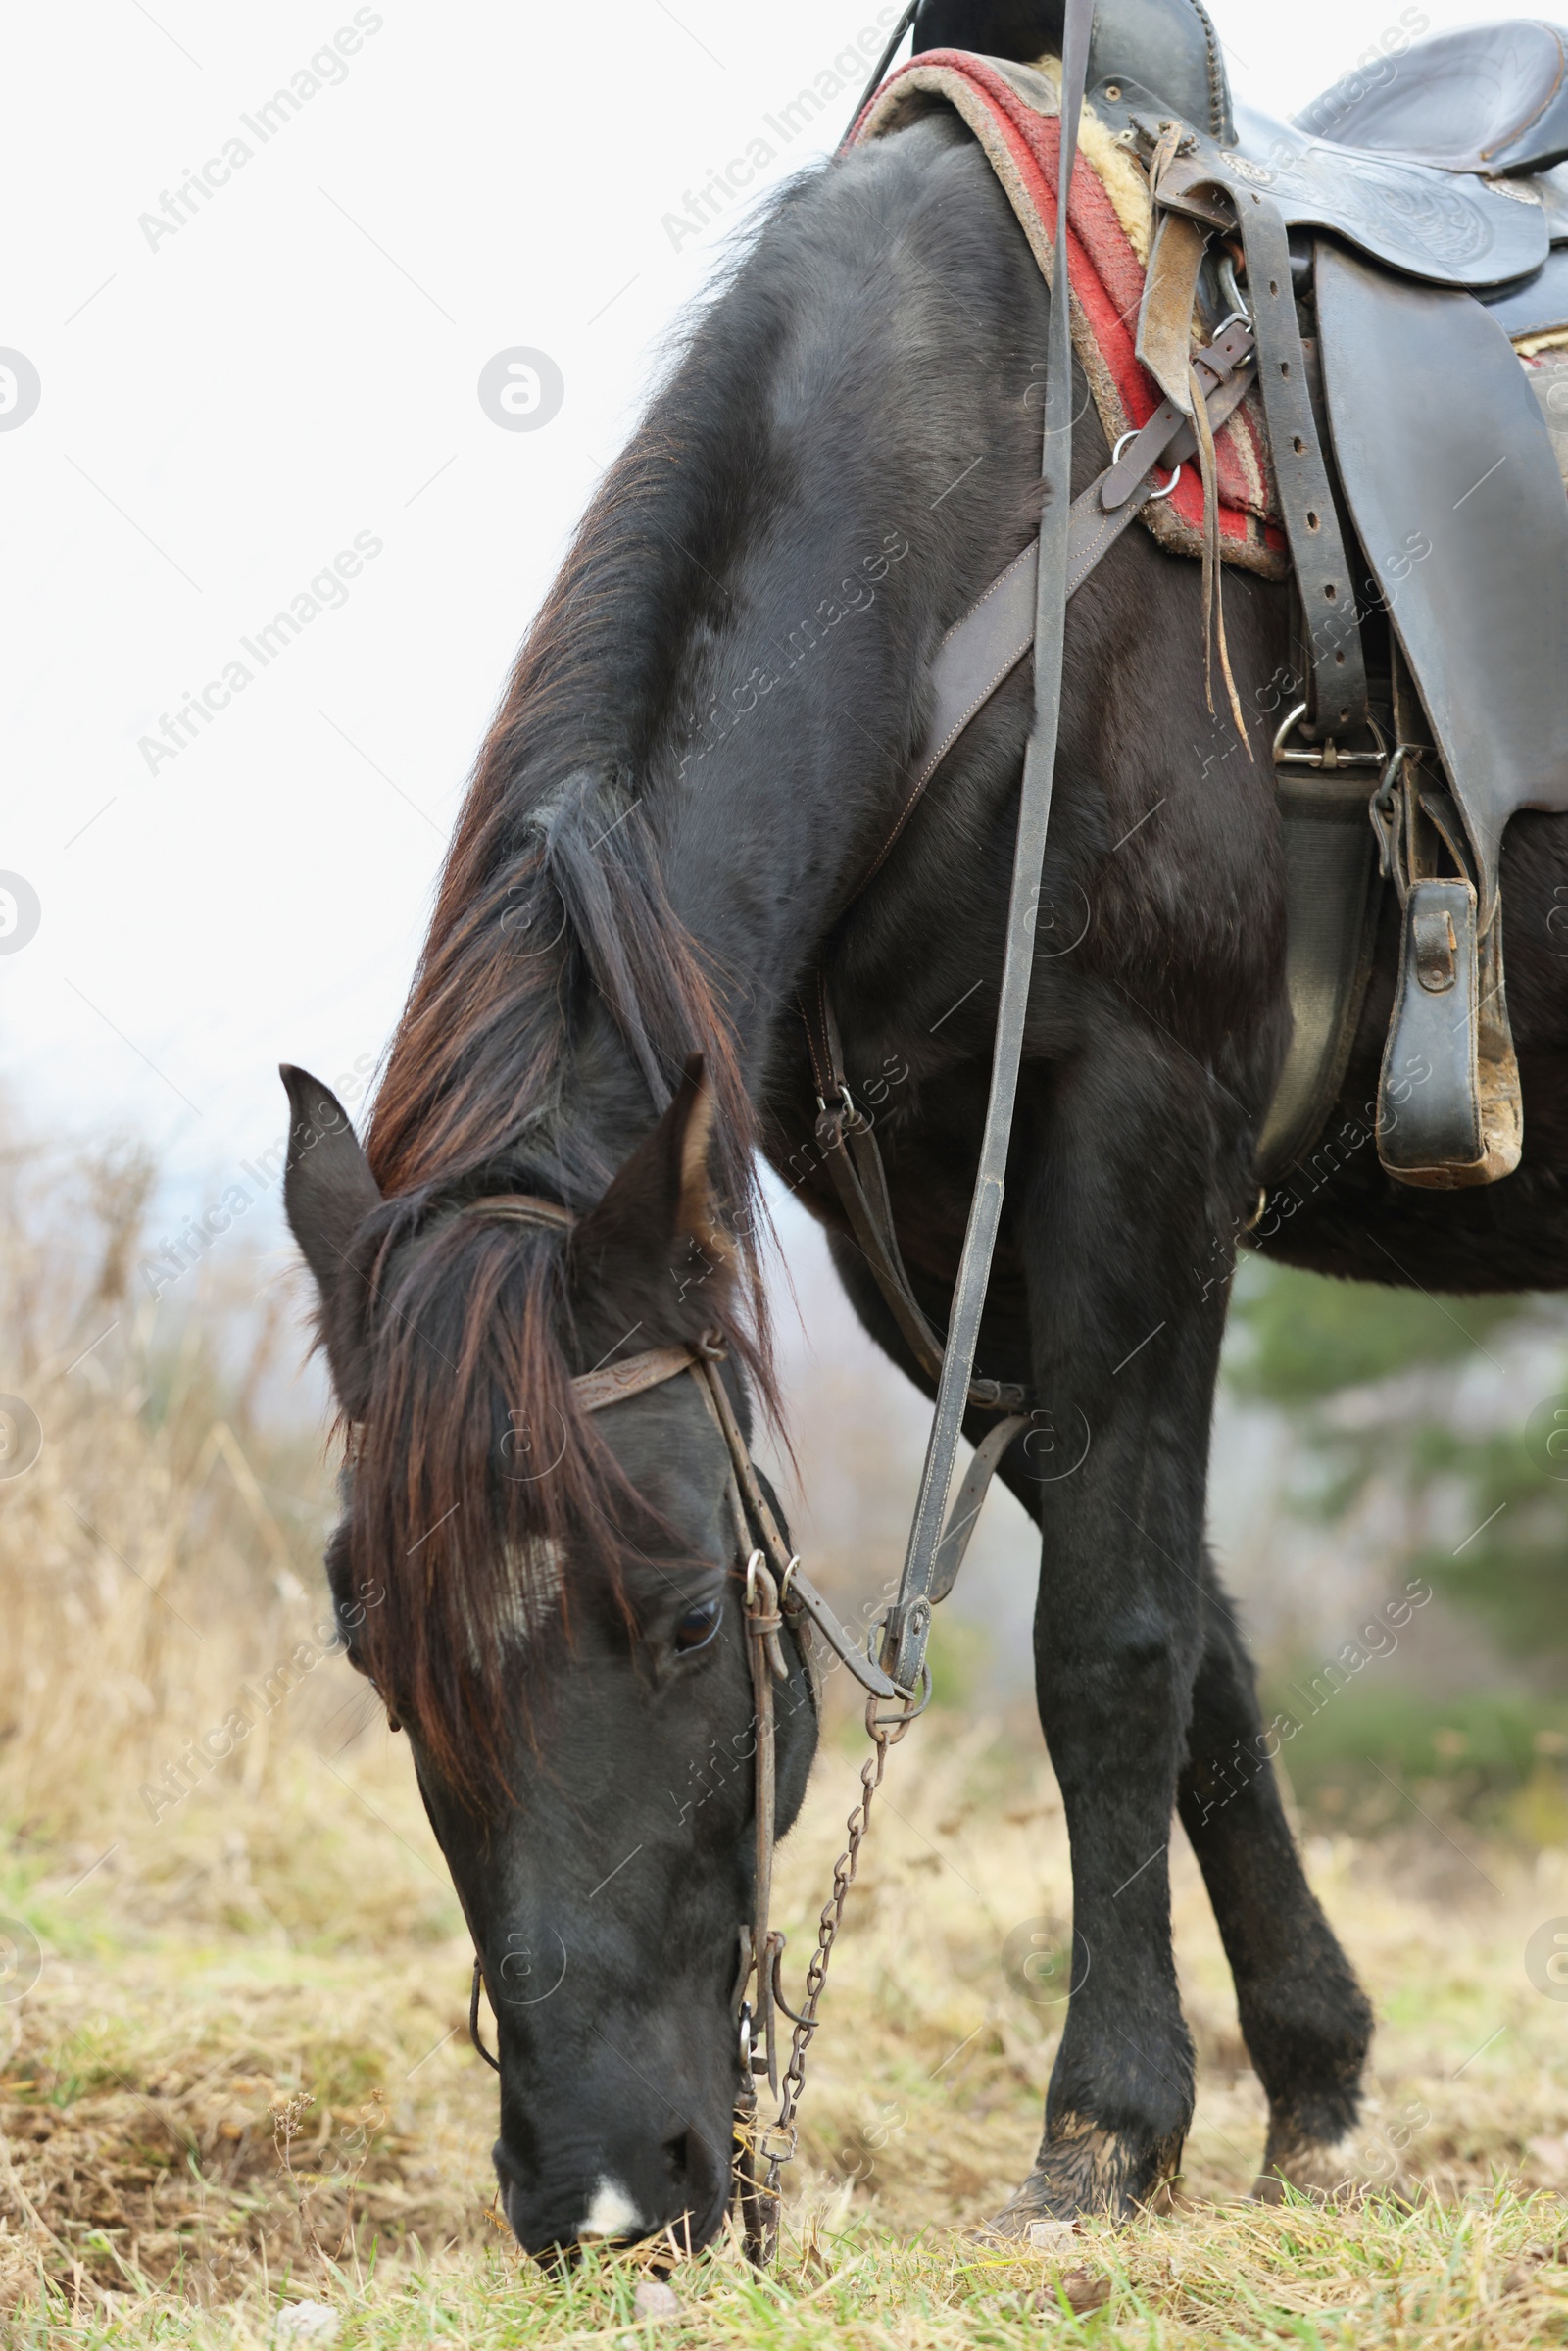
[(1449, 471), (1449, 227)]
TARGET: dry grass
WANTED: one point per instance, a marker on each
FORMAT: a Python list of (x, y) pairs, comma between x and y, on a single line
[(232, 2065)]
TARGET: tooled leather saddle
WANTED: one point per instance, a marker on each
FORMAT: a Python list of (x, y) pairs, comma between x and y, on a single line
[(1391, 244)]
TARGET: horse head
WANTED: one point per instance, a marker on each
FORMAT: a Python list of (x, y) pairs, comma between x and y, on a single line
[(551, 1604)]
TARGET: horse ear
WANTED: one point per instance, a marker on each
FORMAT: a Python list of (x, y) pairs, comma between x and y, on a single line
[(657, 1238), (328, 1191)]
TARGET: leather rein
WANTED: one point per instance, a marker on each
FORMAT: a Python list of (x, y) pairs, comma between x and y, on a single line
[(776, 1591)]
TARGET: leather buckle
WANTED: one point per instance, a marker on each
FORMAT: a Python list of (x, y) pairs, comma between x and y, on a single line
[(832, 1125), (1326, 754)]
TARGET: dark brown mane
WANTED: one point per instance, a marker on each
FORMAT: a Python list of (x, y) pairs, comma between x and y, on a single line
[(555, 1004), (551, 890)]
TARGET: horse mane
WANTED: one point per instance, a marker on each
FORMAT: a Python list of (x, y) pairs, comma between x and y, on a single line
[(554, 1004)]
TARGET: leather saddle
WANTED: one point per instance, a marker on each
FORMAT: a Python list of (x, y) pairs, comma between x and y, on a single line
[(1392, 238)]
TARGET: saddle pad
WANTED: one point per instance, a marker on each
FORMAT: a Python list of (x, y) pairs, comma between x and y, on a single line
[(1014, 111)]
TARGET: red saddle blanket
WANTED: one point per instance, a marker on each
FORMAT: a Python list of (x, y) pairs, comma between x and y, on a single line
[(1014, 111)]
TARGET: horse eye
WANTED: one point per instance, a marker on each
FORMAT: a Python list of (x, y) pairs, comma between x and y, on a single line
[(697, 1627)]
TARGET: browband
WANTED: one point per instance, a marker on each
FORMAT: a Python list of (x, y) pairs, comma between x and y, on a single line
[(594, 1390), (612, 1383)]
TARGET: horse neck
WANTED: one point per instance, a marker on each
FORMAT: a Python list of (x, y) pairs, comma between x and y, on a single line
[(733, 656)]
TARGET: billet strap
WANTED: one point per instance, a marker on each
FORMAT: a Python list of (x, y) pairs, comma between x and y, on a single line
[(908, 1623), (1224, 368), (1170, 293), (1338, 699), (983, 649), (1196, 184)]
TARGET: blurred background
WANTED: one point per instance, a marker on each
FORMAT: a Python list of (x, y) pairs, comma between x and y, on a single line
[(207, 392)]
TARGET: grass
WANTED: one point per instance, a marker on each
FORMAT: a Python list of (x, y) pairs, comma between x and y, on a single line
[(234, 2071), (1289, 2277), (266, 2094)]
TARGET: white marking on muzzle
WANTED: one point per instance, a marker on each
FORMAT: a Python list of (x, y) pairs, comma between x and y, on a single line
[(611, 2213)]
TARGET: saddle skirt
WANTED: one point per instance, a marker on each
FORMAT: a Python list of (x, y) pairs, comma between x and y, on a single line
[(1014, 113)]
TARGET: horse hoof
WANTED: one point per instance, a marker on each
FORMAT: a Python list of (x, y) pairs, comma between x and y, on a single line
[(1089, 2171), (1035, 2215), (1341, 2172)]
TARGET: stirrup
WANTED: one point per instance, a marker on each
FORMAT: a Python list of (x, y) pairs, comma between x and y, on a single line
[(1449, 1108)]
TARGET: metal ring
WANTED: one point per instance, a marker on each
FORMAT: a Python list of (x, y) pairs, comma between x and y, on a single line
[(1154, 496), (756, 1561), (1226, 274), (910, 1712)]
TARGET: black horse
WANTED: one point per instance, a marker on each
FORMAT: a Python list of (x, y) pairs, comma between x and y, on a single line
[(699, 756)]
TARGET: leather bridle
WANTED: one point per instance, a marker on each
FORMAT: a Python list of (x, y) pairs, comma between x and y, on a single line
[(777, 1594)]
